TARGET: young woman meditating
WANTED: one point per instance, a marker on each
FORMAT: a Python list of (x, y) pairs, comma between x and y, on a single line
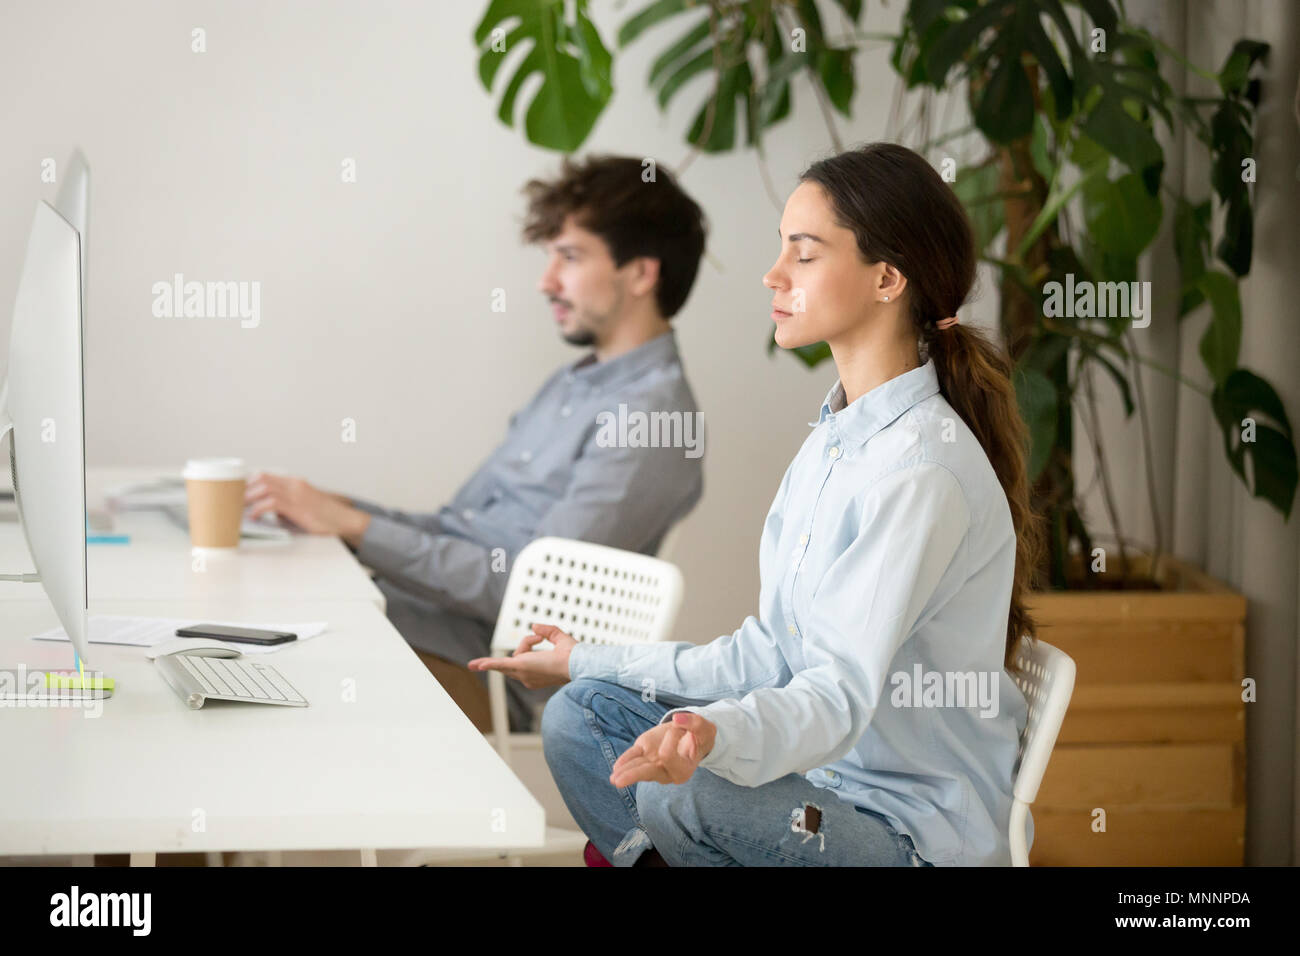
[(865, 716)]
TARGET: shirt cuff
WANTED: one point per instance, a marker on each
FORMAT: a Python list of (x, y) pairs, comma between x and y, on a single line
[(590, 661)]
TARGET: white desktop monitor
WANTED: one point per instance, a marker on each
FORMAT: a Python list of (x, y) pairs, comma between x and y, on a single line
[(73, 204), (43, 409)]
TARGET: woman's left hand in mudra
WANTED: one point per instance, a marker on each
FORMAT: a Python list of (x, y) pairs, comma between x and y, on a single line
[(667, 753)]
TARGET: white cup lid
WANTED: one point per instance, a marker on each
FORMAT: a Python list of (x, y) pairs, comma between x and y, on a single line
[(214, 469)]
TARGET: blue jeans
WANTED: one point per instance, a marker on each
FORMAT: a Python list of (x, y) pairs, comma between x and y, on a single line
[(707, 821)]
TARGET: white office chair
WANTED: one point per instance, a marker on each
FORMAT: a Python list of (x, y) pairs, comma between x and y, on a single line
[(596, 594), (1045, 675)]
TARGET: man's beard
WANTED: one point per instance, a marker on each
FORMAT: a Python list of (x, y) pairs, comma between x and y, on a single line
[(584, 337), (581, 338)]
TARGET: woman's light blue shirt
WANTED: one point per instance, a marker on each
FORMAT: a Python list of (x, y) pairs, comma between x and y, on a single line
[(875, 664)]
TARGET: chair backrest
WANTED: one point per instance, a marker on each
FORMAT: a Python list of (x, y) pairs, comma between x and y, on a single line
[(592, 592), (1045, 675)]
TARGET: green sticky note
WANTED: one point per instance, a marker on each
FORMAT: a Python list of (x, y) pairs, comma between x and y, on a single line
[(74, 682)]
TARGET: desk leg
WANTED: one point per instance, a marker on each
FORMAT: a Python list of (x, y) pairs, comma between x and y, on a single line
[(214, 859), (83, 859), (144, 859), (369, 858)]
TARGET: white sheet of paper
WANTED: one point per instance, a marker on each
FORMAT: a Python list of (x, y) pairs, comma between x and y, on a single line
[(148, 631)]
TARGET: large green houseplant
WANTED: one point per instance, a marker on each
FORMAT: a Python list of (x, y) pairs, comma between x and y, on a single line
[(1068, 189)]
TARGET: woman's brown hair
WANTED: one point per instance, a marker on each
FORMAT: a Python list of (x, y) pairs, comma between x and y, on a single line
[(903, 213)]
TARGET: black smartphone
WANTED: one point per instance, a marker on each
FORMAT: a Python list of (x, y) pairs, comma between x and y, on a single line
[(244, 635)]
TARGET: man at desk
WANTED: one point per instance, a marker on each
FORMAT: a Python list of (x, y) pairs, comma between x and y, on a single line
[(623, 243)]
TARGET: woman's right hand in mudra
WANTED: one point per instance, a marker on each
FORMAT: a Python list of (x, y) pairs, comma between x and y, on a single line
[(534, 668)]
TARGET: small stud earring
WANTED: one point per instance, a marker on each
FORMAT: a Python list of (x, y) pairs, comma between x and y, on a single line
[(886, 298)]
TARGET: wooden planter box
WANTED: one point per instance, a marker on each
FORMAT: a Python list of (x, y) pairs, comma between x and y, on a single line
[(1156, 730)]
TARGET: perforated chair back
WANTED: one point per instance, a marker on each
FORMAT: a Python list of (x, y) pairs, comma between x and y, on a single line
[(1045, 675), (594, 593)]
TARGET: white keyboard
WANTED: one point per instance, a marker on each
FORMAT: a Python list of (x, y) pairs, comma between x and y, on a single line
[(200, 679)]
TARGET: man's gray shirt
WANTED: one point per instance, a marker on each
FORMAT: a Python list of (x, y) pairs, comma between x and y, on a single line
[(578, 461)]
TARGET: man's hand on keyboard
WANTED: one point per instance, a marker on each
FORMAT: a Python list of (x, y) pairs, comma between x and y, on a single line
[(313, 510), (534, 668)]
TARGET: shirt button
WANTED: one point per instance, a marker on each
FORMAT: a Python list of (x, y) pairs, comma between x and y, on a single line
[(526, 456), (834, 451), (566, 411), (792, 629), (803, 539), (834, 778), (467, 514)]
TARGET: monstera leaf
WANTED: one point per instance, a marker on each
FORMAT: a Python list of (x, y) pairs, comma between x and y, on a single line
[(569, 55)]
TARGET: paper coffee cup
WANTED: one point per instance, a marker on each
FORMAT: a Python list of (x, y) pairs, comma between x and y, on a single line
[(214, 488)]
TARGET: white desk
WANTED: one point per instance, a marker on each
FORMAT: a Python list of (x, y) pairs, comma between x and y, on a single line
[(400, 766), (157, 564)]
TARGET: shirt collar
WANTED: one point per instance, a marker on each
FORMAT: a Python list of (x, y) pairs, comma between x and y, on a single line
[(660, 350), (877, 408)]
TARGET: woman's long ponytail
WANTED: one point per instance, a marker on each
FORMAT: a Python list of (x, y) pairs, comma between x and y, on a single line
[(975, 378)]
